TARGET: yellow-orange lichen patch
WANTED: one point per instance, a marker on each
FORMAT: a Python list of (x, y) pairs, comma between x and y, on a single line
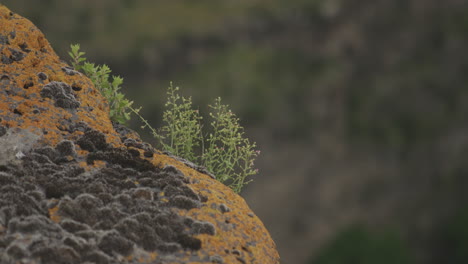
[(53, 214), (34, 55), (250, 236), (95, 165), (31, 64), (142, 257)]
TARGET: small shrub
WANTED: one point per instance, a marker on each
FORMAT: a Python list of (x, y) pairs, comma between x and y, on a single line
[(119, 106), (225, 151), (182, 129), (229, 154)]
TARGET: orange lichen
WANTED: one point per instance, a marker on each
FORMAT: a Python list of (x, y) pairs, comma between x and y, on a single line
[(25, 108), (53, 214)]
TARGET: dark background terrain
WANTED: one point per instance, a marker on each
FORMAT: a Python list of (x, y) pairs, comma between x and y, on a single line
[(359, 107)]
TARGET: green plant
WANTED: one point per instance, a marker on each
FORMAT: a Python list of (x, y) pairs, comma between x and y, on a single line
[(119, 106), (183, 128), (229, 155), (225, 151)]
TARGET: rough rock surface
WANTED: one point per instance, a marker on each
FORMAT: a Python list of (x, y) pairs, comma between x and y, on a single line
[(75, 188)]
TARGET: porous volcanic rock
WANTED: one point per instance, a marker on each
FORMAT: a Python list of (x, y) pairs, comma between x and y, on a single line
[(76, 188)]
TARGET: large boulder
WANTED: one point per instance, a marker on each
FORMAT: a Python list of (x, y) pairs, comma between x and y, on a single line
[(76, 188)]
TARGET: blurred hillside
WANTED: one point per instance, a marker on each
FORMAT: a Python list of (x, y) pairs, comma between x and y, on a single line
[(360, 108)]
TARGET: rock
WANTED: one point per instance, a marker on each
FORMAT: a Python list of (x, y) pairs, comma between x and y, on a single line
[(76, 188)]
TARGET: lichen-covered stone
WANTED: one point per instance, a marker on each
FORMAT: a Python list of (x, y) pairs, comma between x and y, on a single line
[(75, 188)]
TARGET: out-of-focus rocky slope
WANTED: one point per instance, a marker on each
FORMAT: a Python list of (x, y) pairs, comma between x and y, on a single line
[(76, 188)]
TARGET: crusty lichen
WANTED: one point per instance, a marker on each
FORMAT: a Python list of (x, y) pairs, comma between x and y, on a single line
[(223, 228)]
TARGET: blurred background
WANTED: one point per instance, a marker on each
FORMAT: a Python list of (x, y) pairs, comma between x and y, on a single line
[(360, 108)]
